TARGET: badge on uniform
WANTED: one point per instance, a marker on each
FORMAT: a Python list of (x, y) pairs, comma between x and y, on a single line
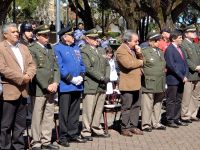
[(151, 59), (78, 54)]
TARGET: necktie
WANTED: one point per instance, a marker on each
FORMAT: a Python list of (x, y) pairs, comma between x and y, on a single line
[(157, 51), (180, 52), (46, 48)]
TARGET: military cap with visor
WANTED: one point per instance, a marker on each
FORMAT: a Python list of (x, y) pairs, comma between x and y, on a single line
[(154, 36), (93, 33), (190, 28), (41, 30), (68, 30)]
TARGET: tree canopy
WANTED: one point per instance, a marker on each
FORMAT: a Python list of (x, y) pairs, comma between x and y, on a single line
[(163, 12)]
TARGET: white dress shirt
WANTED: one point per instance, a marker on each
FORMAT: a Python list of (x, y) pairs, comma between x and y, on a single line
[(18, 55)]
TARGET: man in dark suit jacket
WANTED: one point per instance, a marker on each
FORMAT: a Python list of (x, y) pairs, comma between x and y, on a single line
[(177, 70)]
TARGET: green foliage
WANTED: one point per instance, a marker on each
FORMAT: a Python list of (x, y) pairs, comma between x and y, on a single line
[(113, 34), (28, 8), (189, 16)]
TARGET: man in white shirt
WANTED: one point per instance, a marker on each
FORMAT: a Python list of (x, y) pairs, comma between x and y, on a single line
[(17, 68)]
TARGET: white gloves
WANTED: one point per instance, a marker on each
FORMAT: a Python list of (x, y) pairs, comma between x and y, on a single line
[(77, 80), (80, 80)]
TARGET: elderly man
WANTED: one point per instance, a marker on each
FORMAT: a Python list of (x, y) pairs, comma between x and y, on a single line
[(130, 61), (44, 88), (96, 78), (153, 84), (191, 94), (17, 68), (72, 72)]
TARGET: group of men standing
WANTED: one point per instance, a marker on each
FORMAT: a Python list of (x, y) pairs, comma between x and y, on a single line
[(166, 66), (39, 67), (75, 67)]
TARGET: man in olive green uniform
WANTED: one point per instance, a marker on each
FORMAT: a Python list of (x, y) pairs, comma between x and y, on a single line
[(191, 94), (96, 78), (153, 84), (44, 88)]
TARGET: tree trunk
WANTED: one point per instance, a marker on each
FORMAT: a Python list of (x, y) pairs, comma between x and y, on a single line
[(130, 10), (84, 13), (131, 23), (4, 7)]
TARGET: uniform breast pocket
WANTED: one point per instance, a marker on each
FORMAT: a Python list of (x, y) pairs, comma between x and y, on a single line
[(41, 62), (150, 82)]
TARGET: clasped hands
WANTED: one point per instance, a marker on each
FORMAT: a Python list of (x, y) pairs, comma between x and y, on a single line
[(26, 79), (52, 88), (77, 80), (198, 69)]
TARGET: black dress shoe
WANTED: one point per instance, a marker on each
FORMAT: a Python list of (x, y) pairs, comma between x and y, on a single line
[(88, 138), (78, 139), (36, 148), (180, 123), (172, 125), (50, 146), (160, 128), (64, 144), (148, 129), (104, 135), (186, 120)]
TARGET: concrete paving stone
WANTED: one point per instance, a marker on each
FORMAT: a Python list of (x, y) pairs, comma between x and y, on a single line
[(183, 138)]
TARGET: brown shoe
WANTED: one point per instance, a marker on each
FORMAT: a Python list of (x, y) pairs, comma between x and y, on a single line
[(136, 131), (126, 132)]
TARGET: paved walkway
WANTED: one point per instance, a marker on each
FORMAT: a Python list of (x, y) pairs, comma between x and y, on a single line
[(183, 138)]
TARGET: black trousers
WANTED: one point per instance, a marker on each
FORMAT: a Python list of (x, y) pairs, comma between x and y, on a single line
[(173, 102), (69, 111), (131, 103), (13, 124)]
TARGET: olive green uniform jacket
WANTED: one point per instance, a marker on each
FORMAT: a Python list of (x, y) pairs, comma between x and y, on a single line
[(47, 69), (96, 68), (153, 79), (192, 52)]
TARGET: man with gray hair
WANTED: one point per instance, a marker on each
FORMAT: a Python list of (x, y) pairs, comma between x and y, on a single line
[(130, 61), (17, 68), (72, 72)]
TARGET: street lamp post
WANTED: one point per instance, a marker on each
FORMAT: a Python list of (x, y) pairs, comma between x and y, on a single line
[(57, 18)]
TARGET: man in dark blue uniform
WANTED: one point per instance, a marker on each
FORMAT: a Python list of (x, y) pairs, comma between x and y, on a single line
[(72, 72)]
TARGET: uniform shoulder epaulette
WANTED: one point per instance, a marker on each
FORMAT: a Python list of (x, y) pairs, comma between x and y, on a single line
[(31, 44), (85, 47)]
